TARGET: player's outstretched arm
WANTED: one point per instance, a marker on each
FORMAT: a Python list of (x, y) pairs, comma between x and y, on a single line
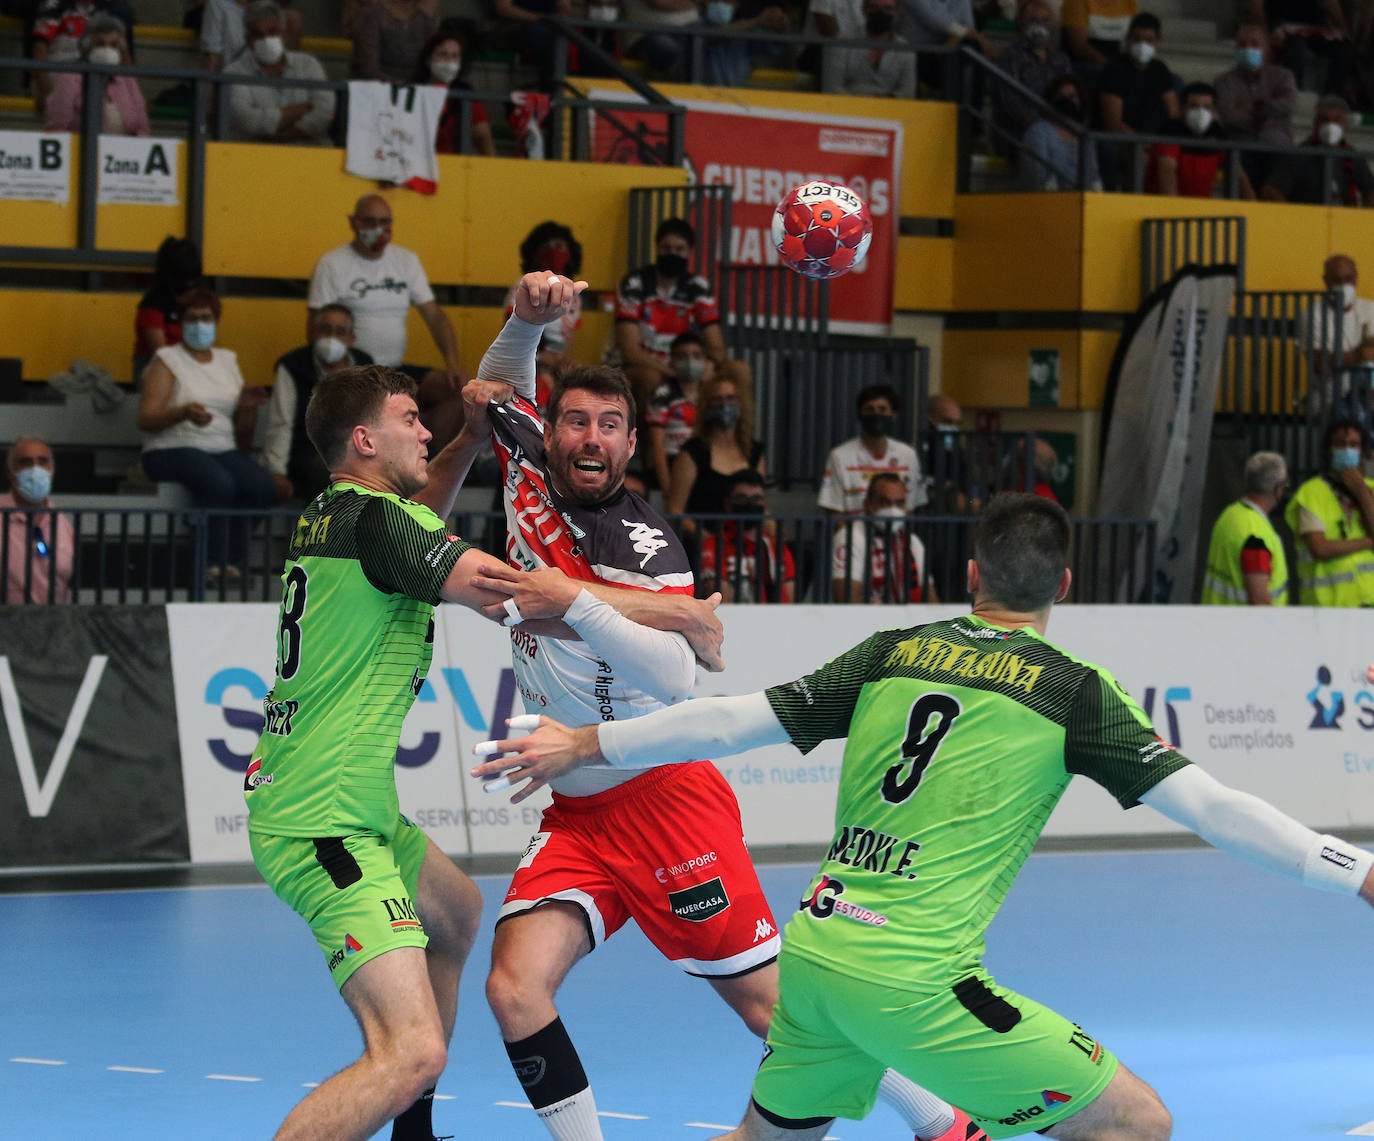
[(1259, 833)]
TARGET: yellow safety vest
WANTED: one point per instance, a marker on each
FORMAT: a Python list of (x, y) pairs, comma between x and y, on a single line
[(1224, 582), (1344, 581)]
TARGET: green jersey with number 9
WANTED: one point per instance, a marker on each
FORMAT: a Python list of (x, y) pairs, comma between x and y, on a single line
[(354, 642), (962, 737)]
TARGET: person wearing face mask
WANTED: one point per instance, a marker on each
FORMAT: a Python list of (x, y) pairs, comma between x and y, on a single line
[(1033, 59), (59, 29), (721, 444), (1050, 154), (552, 248), (269, 113), (126, 112), (1332, 517), (1337, 334), (1255, 99), (1344, 180), (851, 465), (1246, 564), (672, 413), (743, 558), (193, 409), (39, 543), (879, 559), (1192, 168), (287, 451), (729, 62), (441, 62), (884, 69), (1136, 95)]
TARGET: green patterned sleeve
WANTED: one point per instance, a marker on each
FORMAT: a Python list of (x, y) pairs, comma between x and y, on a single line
[(1109, 740), (818, 707), (403, 552)]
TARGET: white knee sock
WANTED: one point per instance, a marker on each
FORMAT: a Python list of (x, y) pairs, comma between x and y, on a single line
[(926, 1115), (572, 1119)]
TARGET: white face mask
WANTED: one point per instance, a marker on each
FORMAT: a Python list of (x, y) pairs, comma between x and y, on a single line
[(1141, 51), (1331, 134), (330, 350), (445, 70), (892, 512), (105, 54), (268, 50), (33, 483), (606, 13), (1198, 119), (370, 237), (1347, 292)]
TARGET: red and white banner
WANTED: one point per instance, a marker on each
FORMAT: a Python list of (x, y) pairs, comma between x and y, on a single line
[(761, 153)]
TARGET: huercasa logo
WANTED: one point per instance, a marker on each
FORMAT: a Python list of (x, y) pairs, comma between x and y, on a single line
[(697, 904), (646, 540)]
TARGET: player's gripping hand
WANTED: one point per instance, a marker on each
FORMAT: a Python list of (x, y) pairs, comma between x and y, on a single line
[(478, 396), (543, 297), (703, 630), (543, 593), (550, 751)]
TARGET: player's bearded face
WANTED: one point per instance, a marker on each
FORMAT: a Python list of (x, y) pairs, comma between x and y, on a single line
[(590, 446)]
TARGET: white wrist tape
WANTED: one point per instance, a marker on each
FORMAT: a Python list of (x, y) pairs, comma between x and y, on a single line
[(1334, 865)]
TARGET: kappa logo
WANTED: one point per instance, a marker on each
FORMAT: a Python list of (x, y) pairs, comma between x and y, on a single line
[(646, 540), (763, 930)]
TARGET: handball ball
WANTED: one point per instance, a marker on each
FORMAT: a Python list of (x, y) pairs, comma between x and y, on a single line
[(822, 229)]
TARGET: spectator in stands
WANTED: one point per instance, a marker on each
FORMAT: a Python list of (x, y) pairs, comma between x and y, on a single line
[(1255, 100), (1342, 181), (722, 444), (440, 64), (831, 19), (389, 38), (942, 23), (277, 114), (730, 62), (875, 70), (1341, 361), (1332, 518), (655, 303), (946, 461), (552, 248), (1190, 169), (126, 113), (1033, 59), (39, 543), (534, 40), (1136, 95), (1044, 461), (853, 463), (1095, 32), (744, 558), (672, 413), (157, 322), (59, 26), (1246, 565), (1053, 155), (192, 408), (663, 51), (287, 451), (1307, 33), (221, 33), (379, 282), (878, 558)]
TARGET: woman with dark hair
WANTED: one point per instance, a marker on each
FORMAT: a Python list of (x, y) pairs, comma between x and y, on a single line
[(722, 445), (157, 321), (550, 247), (440, 64), (1049, 160)]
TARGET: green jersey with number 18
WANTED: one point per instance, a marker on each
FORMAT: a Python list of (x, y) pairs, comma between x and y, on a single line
[(354, 643), (962, 737)]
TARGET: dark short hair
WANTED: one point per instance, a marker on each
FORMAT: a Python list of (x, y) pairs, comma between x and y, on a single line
[(350, 397), (1146, 22), (884, 477), (875, 392), (177, 259), (544, 233), (1064, 79), (745, 477), (1344, 424), (1198, 89), (679, 227), (603, 379), (1022, 549), (688, 338), (201, 298), (337, 307)]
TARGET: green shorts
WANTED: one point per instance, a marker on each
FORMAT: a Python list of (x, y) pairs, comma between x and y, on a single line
[(1012, 1065), (357, 892)]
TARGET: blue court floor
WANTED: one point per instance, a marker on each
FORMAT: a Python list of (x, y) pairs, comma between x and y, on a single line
[(204, 1013)]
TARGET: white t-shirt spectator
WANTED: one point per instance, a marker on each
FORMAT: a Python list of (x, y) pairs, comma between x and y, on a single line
[(379, 292), (1319, 327), (216, 384), (889, 577), (255, 111), (221, 30), (850, 466)]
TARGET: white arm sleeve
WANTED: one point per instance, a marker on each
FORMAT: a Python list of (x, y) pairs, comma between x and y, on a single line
[(659, 662), (511, 356), (1256, 831), (710, 727)]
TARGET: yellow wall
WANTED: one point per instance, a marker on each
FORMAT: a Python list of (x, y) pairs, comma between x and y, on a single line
[(990, 367)]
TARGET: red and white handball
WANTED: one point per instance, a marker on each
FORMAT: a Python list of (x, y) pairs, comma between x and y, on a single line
[(822, 229)]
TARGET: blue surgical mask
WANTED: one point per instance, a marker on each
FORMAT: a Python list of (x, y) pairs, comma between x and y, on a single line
[(33, 483), (198, 335), (1342, 458), (720, 12), (1251, 59)]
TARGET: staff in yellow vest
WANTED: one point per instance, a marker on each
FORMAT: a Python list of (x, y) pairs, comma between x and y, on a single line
[(1246, 565), (1332, 515)]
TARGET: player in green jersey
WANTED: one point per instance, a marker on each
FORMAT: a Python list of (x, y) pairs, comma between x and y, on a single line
[(962, 735), (394, 918)]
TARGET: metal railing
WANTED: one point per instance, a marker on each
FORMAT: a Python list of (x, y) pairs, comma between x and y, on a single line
[(145, 557), (1168, 244)]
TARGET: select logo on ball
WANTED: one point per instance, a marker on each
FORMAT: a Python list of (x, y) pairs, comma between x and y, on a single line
[(822, 229)]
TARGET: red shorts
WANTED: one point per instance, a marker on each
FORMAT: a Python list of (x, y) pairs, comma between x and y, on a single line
[(665, 849)]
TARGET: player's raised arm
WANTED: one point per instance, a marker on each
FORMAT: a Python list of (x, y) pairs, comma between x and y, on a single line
[(540, 299)]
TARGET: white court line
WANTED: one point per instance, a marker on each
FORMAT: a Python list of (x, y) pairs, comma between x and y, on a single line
[(134, 1070), (514, 1104), (622, 1116), (229, 1078), (39, 1061), (445, 1097), (706, 1125), (1365, 1130)]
